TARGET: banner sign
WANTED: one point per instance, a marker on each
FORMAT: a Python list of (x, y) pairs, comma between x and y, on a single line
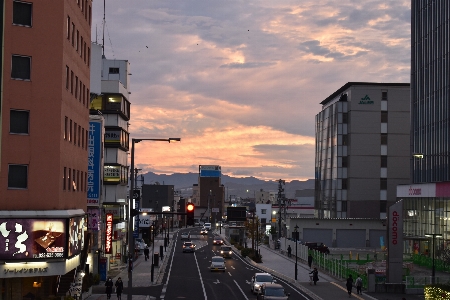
[(395, 243), (28, 239), (108, 233), (76, 236), (93, 218), (136, 218), (94, 163)]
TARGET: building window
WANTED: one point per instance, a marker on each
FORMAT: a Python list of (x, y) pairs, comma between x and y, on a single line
[(66, 121), (81, 46), (384, 117), (79, 135), (383, 183), (263, 211), (344, 140), (71, 81), (84, 94), (384, 161), (78, 181), (81, 89), (74, 186), (64, 178), (17, 176), (113, 70), (88, 56), (22, 13), (76, 87), (344, 206), (73, 34), (77, 40), (344, 183), (344, 161), (21, 67), (384, 96), (344, 118), (383, 206), (263, 220), (68, 28), (384, 139), (90, 15), (19, 121), (70, 131), (68, 179), (74, 133), (67, 78)]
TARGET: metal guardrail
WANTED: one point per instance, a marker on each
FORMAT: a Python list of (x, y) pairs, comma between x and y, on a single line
[(421, 281)]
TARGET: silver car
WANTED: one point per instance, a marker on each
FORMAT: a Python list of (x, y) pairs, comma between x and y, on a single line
[(217, 264), (258, 280)]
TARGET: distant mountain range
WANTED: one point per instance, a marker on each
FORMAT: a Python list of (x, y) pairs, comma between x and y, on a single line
[(240, 187)]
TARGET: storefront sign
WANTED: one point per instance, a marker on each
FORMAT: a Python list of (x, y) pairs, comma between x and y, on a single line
[(136, 219), (29, 239), (94, 162), (112, 136), (111, 173), (76, 236), (395, 243), (93, 218), (108, 234)]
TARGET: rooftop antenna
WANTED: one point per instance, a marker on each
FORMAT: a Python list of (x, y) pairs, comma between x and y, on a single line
[(104, 21)]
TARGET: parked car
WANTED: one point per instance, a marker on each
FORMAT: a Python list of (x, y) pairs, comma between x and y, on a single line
[(226, 251), (188, 247), (273, 291), (217, 264), (318, 246), (258, 279)]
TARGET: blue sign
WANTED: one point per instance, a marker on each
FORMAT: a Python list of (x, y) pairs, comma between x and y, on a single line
[(94, 162)]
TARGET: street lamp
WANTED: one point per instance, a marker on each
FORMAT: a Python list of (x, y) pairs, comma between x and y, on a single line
[(296, 242), (433, 268), (130, 218)]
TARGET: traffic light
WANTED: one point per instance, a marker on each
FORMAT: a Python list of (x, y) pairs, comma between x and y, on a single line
[(190, 214)]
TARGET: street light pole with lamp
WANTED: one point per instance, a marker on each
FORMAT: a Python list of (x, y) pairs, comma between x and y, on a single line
[(130, 217), (433, 268), (296, 242)]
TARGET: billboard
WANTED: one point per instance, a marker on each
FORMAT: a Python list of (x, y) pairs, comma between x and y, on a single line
[(94, 163), (28, 239), (395, 243), (76, 236), (238, 213), (209, 171)]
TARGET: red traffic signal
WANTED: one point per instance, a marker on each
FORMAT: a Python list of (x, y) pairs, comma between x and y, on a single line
[(190, 207)]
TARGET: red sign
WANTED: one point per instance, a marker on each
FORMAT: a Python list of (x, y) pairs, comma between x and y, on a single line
[(108, 233)]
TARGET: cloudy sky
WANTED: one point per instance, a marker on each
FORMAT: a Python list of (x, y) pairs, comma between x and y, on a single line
[(240, 81)]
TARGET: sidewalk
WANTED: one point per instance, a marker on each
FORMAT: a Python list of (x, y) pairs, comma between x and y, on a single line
[(141, 275), (328, 286)]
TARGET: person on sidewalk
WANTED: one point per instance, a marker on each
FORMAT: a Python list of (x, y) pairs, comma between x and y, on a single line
[(146, 253), (289, 249), (358, 285), (119, 288), (349, 285), (315, 275), (310, 259), (109, 286)]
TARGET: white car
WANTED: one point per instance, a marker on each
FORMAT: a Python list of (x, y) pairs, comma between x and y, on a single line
[(217, 264), (259, 279)]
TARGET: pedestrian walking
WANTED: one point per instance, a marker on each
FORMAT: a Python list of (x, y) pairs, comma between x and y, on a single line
[(310, 259), (349, 285), (358, 285), (146, 253), (315, 275), (109, 286), (119, 288), (289, 249)]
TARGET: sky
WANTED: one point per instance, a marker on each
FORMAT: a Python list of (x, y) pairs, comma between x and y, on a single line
[(240, 82)]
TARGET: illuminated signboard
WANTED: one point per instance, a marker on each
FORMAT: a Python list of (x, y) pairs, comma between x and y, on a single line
[(76, 236), (28, 239), (93, 218), (108, 233), (210, 171), (111, 173), (94, 162)]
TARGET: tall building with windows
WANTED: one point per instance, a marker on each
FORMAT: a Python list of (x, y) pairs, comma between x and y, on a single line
[(426, 201), (44, 123), (362, 149)]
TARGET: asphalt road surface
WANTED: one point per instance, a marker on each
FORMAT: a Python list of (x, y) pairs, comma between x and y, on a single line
[(188, 275)]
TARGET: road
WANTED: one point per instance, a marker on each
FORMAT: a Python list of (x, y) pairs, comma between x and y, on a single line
[(188, 275)]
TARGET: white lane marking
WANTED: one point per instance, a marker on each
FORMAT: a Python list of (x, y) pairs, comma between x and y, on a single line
[(232, 267), (217, 281), (240, 289), (201, 279), (229, 274), (298, 292)]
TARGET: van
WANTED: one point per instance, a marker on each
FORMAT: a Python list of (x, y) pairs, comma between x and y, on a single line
[(207, 226)]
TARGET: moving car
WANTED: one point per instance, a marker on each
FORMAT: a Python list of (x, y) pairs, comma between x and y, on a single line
[(259, 279), (226, 251), (188, 247), (217, 240), (318, 246), (207, 226), (203, 231), (273, 291), (217, 264), (185, 236)]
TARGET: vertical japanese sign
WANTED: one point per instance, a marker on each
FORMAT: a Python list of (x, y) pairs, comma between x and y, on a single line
[(94, 163), (395, 243), (93, 218), (137, 200), (108, 234)]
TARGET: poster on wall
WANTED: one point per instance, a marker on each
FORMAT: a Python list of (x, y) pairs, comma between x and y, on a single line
[(76, 235), (28, 239)]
